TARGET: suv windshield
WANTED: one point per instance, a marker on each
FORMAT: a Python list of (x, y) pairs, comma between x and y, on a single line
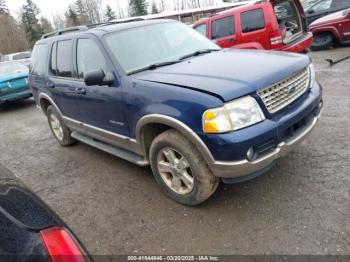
[(140, 48), (9, 68)]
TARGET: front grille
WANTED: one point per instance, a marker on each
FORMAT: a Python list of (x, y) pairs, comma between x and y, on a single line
[(283, 93)]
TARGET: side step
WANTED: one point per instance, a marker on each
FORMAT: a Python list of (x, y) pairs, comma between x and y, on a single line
[(116, 151)]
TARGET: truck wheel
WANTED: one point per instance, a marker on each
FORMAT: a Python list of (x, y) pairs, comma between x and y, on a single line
[(58, 128), (322, 41), (180, 170)]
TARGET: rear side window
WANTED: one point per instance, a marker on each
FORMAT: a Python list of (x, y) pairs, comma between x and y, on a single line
[(202, 29), (252, 20), (53, 63), (89, 57), (223, 27), (38, 59), (64, 58)]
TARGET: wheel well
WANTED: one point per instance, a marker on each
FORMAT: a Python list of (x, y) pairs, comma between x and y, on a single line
[(327, 32), (44, 104), (148, 133)]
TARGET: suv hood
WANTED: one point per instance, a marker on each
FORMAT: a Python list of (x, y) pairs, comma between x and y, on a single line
[(329, 19), (229, 73)]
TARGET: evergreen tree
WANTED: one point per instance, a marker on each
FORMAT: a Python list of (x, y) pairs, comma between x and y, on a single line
[(29, 19), (45, 26), (138, 7), (3, 7), (71, 17), (110, 15), (154, 8)]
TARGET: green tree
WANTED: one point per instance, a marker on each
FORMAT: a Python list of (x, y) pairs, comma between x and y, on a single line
[(72, 18), (3, 7), (154, 8), (138, 7), (110, 15), (30, 21)]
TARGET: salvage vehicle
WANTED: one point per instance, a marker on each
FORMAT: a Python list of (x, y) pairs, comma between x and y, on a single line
[(30, 230), (271, 25), (322, 8), (158, 93), (330, 30), (22, 57), (13, 82)]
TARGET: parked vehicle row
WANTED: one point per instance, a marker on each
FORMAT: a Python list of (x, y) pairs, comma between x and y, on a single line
[(22, 57), (196, 113), (277, 25)]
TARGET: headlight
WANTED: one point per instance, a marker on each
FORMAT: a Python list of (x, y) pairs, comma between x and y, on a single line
[(312, 76), (232, 116)]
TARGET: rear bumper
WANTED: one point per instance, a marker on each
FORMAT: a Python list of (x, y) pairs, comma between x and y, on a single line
[(242, 168), (15, 96), (299, 45)]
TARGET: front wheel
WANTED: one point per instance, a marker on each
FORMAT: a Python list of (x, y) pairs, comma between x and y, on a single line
[(322, 41), (180, 170)]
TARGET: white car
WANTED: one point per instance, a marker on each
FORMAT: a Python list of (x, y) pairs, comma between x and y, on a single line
[(23, 57)]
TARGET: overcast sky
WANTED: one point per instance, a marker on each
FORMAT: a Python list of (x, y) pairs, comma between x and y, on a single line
[(52, 7)]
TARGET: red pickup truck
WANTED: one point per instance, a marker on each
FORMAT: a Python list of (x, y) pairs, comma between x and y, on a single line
[(275, 24), (331, 29)]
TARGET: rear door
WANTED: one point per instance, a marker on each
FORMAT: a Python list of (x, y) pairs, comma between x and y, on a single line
[(62, 81), (223, 31)]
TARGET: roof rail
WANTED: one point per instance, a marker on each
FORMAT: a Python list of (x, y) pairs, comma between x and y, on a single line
[(113, 22), (65, 31)]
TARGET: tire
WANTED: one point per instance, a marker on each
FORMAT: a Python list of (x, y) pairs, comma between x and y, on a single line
[(60, 131), (197, 183), (322, 41)]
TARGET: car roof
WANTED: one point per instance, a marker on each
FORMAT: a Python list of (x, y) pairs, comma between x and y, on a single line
[(103, 29)]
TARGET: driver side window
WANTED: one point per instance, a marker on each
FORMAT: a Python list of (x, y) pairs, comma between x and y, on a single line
[(89, 57)]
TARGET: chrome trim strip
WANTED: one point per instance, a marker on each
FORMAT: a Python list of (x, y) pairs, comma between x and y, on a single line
[(104, 135), (245, 167), (176, 124)]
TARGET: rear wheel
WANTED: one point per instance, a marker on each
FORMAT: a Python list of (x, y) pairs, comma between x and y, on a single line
[(61, 132), (180, 170), (322, 41)]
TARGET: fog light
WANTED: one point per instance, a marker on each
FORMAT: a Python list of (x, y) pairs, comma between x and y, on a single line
[(250, 154)]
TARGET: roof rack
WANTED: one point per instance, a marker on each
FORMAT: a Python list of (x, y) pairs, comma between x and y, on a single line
[(65, 31), (89, 26)]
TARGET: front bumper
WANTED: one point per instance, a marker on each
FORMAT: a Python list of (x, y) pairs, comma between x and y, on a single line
[(241, 168)]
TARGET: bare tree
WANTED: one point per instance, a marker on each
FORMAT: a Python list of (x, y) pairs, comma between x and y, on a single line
[(13, 36)]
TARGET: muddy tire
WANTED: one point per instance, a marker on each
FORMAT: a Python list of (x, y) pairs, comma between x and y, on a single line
[(180, 170), (60, 131)]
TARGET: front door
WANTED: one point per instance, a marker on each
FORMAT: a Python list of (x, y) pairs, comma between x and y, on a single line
[(101, 106)]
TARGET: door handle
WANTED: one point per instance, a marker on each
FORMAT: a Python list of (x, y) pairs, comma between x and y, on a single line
[(80, 91)]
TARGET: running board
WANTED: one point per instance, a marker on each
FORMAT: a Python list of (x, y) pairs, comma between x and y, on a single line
[(116, 151)]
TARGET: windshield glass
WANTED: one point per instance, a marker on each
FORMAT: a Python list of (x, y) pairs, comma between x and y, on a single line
[(7, 69), (140, 47)]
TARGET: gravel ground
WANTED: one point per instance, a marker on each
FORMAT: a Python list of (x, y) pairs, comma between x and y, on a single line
[(302, 206)]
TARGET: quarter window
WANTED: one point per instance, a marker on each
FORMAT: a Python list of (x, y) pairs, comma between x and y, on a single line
[(89, 57), (64, 58), (223, 27), (252, 20), (38, 60)]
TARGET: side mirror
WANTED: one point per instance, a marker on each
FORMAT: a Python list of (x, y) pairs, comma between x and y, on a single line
[(310, 11), (98, 78)]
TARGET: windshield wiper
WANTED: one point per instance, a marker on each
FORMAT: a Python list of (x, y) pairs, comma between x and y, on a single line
[(154, 66), (199, 52)]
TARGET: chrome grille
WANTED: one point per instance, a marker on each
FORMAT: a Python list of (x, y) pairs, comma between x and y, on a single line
[(283, 93)]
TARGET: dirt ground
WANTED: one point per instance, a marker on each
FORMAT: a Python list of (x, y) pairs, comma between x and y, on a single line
[(302, 206)]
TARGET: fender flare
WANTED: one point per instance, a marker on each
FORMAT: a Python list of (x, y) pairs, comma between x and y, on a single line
[(177, 125)]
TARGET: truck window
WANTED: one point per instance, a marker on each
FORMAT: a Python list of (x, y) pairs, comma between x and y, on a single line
[(252, 20), (53, 63), (223, 27), (64, 58), (38, 60), (202, 29), (89, 57), (321, 6)]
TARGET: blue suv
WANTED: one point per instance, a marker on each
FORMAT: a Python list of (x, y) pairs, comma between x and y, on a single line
[(158, 93)]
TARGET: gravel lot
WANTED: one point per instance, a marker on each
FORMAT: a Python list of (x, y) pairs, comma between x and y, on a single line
[(302, 206)]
